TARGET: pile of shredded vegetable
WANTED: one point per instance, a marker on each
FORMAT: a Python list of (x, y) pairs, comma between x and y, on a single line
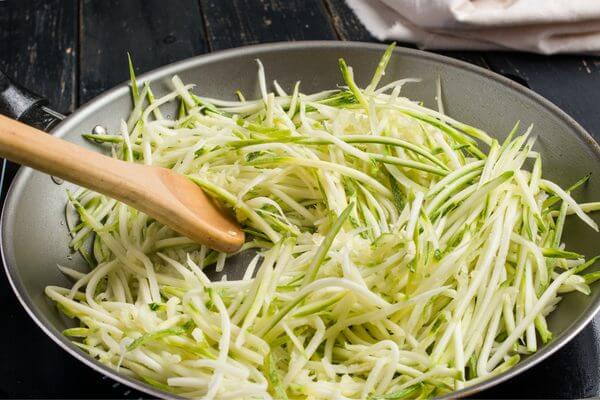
[(399, 253)]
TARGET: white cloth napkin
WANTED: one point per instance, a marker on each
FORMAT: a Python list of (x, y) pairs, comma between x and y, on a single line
[(540, 26)]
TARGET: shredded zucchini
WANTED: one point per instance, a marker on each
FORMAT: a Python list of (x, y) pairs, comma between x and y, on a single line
[(400, 253)]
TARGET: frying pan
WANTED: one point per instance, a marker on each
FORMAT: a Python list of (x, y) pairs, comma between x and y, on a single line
[(34, 239)]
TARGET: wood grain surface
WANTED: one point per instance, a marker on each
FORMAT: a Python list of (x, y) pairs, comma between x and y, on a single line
[(154, 32), (240, 22), (38, 47), (346, 23)]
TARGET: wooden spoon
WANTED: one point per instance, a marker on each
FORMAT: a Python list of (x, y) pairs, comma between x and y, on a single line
[(159, 192)]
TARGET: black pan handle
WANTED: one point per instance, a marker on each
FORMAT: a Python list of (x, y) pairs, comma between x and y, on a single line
[(22, 104)]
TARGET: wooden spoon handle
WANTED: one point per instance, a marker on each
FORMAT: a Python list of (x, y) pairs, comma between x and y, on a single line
[(161, 193), (57, 157)]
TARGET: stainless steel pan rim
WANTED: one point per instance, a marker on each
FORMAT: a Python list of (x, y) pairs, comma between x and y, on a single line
[(87, 111)]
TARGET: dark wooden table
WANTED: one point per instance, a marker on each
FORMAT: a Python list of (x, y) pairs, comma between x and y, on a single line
[(71, 51)]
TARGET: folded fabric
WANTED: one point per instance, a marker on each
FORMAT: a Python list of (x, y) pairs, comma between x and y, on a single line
[(540, 26)]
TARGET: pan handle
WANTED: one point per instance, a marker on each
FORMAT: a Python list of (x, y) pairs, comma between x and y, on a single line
[(23, 105)]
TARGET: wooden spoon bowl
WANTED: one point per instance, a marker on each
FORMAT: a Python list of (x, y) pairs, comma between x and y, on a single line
[(163, 194)]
